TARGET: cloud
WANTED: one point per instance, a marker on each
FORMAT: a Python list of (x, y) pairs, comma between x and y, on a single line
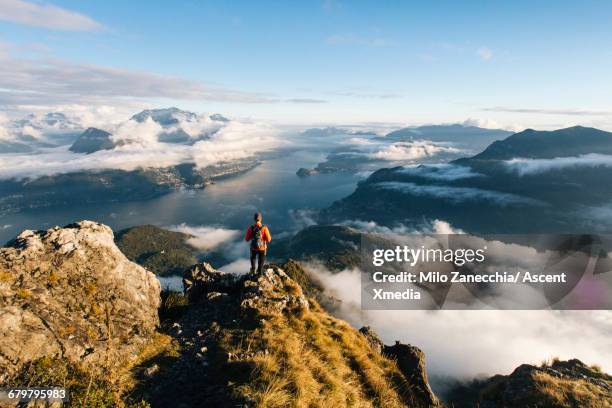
[(350, 39), (54, 82), (484, 342), (447, 172), (458, 194), (5, 133), (235, 141), (427, 227), (535, 166), (206, 238), (144, 133), (484, 53), (306, 100), (239, 266), (491, 124), (570, 112), (367, 95), (45, 15), (413, 150)]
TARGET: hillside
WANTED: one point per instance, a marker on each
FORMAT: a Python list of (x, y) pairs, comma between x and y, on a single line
[(161, 251), (555, 384), (463, 135), (261, 341), (254, 340), (106, 186), (73, 307), (572, 141), (529, 182)]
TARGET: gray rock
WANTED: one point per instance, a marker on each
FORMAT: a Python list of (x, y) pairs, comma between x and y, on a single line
[(70, 292)]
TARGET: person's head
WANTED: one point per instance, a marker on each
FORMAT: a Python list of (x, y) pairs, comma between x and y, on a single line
[(257, 217)]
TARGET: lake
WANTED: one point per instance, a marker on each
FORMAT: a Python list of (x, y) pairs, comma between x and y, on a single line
[(273, 187)]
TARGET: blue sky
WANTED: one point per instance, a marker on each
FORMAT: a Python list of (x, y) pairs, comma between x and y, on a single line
[(542, 64)]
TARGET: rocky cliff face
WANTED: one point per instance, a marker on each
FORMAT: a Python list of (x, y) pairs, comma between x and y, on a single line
[(69, 292)]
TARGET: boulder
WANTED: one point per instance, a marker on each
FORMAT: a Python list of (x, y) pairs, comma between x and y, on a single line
[(70, 293), (411, 362), (202, 279)]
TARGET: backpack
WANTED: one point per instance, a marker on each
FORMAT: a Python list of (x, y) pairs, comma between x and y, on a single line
[(257, 239)]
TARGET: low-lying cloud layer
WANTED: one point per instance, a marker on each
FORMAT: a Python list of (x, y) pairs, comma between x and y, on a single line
[(458, 194), (536, 166), (463, 344), (206, 238), (446, 172), (466, 344), (409, 151), (140, 148)]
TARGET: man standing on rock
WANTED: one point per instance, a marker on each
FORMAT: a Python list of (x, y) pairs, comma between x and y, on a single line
[(259, 235)]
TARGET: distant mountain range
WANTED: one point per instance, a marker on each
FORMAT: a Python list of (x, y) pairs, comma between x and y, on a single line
[(47, 122), (456, 133), (437, 143), (35, 130), (108, 185), (56, 129), (171, 120), (531, 181)]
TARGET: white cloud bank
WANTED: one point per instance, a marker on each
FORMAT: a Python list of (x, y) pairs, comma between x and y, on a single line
[(465, 344), (235, 141), (206, 238), (5, 133), (408, 151), (535, 166), (458, 194), (446, 171)]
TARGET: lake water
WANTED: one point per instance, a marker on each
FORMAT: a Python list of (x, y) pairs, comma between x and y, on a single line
[(272, 187)]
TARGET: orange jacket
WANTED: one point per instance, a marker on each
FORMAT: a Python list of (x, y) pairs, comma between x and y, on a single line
[(265, 234)]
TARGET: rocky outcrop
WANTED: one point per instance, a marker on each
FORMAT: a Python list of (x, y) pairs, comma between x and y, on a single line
[(304, 172), (248, 338), (202, 279), (411, 362), (271, 292), (69, 292), (558, 384), (372, 338)]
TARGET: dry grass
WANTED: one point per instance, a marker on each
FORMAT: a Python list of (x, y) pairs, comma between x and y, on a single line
[(5, 276), (314, 360), (23, 293), (160, 345), (86, 389), (571, 393), (53, 278)]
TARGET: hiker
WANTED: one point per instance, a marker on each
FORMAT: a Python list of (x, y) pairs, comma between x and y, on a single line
[(259, 235)]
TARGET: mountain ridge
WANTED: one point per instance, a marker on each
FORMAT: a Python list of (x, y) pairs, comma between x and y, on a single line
[(490, 193)]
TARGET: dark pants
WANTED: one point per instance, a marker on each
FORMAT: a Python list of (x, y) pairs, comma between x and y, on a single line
[(260, 261)]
